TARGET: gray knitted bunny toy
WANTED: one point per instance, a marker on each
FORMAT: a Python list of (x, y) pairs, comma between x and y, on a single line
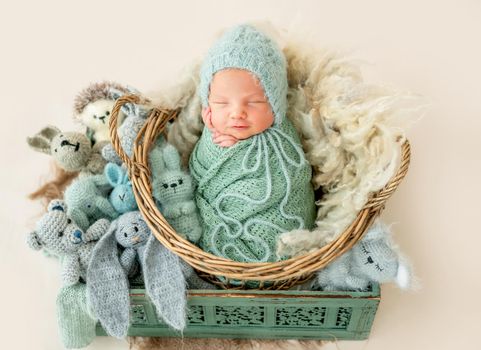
[(59, 235), (373, 259), (87, 200), (108, 287), (173, 188), (72, 151), (127, 131)]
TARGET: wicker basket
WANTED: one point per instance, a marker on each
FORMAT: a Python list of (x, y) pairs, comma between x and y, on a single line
[(275, 275)]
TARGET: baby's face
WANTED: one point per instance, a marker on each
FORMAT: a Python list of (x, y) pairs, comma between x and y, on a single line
[(238, 104)]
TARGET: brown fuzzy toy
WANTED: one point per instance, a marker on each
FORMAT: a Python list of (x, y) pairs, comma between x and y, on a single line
[(93, 107), (95, 92)]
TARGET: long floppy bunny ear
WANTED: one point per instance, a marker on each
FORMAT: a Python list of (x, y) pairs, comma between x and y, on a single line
[(108, 286), (171, 157), (165, 283), (41, 141)]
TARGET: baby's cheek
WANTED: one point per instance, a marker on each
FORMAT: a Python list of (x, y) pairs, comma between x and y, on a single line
[(218, 121)]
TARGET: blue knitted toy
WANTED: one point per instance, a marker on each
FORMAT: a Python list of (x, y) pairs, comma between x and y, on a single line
[(60, 236), (122, 196), (87, 200), (173, 188), (107, 276), (373, 259)]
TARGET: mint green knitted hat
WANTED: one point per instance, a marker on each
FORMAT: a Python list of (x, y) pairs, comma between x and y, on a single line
[(244, 47)]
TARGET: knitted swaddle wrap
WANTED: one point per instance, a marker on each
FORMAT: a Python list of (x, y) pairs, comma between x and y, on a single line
[(250, 193)]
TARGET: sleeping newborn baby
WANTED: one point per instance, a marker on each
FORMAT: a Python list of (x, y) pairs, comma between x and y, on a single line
[(251, 176)]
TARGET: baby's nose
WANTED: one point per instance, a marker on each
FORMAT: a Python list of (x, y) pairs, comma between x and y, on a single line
[(238, 114)]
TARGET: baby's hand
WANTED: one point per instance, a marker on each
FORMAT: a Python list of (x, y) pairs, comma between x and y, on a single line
[(223, 140)]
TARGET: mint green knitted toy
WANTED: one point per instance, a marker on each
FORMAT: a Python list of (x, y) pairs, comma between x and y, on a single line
[(250, 193), (75, 321)]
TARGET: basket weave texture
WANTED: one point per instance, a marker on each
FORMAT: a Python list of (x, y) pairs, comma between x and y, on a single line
[(273, 275)]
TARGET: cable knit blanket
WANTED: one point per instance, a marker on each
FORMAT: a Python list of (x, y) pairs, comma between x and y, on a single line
[(250, 193)]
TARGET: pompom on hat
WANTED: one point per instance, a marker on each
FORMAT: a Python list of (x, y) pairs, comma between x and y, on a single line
[(244, 47)]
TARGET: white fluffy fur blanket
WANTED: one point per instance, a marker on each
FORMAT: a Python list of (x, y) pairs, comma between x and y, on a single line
[(351, 132)]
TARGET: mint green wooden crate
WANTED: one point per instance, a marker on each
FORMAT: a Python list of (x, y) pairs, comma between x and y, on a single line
[(258, 314)]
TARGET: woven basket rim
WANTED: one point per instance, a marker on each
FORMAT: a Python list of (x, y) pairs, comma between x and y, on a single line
[(294, 269)]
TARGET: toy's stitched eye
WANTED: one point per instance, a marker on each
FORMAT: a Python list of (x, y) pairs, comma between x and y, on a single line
[(136, 229), (60, 234), (181, 181), (364, 250), (107, 113), (89, 206), (55, 150), (125, 235), (165, 185), (69, 221)]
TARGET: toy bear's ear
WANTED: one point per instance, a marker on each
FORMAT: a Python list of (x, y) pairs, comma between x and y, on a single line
[(33, 241), (41, 141), (57, 204), (114, 174), (171, 157)]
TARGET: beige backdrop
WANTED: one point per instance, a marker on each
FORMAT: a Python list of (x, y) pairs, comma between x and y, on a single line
[(51, 49)]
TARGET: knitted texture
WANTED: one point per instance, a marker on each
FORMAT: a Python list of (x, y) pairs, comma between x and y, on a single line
[(373, 259), (173, 188), (250, 193), (244, 47), (87, 200), (93, 107), (108, 285), (71, 151), (76, 324), (58, 235), (122, 196), (127, 131)]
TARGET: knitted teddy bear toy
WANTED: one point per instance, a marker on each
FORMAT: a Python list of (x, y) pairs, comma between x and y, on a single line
[(71, 151), (373, 259), (87, 200), (108, 285), (59, 235), (173, 188), (122, 196)]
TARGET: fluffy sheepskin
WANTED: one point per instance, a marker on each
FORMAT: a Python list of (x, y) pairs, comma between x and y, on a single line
[(351, 131)]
